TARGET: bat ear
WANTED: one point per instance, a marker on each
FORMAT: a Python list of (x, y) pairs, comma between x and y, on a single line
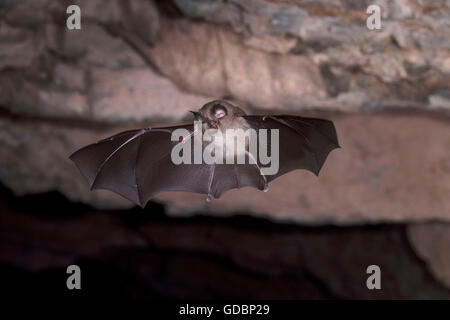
[(197, 115)]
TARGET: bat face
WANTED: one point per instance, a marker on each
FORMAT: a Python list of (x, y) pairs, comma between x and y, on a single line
[(226, 117), (220, 114), (138, 164)]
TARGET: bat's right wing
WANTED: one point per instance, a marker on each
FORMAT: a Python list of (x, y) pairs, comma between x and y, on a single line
[(137, 165)]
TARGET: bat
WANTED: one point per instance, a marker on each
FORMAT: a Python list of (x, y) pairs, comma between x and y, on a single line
[(141, 163)]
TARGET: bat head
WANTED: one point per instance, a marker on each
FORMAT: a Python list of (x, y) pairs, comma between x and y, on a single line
[(219, 112)]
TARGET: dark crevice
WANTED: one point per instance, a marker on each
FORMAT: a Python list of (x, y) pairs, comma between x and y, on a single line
[(313, 263)]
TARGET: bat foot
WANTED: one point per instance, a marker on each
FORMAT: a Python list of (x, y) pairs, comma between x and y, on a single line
[(266, 187), (208, 198)]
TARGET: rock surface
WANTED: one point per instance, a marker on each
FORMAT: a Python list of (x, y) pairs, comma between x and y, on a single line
[(268, 54), (150, 62)]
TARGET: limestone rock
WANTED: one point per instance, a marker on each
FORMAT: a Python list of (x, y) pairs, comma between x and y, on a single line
[(226, 66), (136, 94)]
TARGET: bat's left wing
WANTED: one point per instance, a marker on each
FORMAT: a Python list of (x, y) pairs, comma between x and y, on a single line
[(304, 143)]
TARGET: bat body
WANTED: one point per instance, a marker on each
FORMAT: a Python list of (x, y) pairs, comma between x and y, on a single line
[(138, 164)]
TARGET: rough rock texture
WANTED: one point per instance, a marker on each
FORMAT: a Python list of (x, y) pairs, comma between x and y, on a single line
[(276, 55), (51, 71), (405, 63)]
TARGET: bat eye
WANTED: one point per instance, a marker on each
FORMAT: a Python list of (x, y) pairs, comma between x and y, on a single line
[(220, 113)]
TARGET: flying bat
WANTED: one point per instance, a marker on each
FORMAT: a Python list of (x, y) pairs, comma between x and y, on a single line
[(223, 149)]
